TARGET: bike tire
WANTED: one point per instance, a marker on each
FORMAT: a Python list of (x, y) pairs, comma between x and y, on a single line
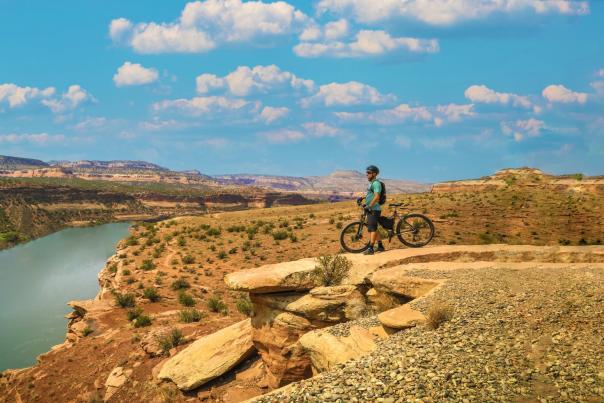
[(352, 228), (425, 222)]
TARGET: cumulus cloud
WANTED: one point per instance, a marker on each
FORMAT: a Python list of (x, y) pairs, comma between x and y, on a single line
[(453, 113), (283, 136), (134, 74), (396, 115), (486, 95), (270, 114), (366, 43), (259, 79), (201, 105), (345, 94), (70, 100), (561, 94), (35, 138), (204, 25), (447, 12), (321, 129), (91, 123), (17, 96), (520, 129)]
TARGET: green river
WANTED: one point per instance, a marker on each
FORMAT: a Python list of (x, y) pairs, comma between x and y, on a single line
[(38, 278)]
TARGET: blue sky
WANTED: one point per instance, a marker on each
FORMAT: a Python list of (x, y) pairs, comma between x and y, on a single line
[(430, 92)]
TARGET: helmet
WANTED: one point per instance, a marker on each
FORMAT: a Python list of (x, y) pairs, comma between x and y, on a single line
[(372, 168)]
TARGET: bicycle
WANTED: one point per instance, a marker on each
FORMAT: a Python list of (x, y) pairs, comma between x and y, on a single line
[(413, 230)]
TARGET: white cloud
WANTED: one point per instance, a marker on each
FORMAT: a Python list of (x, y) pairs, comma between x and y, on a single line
[(204, 25), (270, 114), (520, 129), (91, 123), (485, 95), (321, 129), (259, 79), (600, 73), (561, 94), (350, 93), (201, 105), (157, 124), (598, 87), (37, 138), (402, 141), (366, 43), (396, 115), (18, 96), (447, 12), (134, 74), (74, 97), (283, 136), (454, 112)]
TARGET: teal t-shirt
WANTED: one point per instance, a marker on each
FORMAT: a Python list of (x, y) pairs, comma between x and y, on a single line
[(373, 188)]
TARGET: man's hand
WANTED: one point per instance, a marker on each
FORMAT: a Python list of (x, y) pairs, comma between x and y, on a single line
[(366, 208), (359, 200)]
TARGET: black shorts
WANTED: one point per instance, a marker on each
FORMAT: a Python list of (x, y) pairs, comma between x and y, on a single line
[(372, 220)]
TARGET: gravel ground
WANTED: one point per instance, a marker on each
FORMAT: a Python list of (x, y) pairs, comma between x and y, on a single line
[(516, 335)]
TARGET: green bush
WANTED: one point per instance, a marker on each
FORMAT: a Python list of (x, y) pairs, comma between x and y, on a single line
[(112, 268), (125, 300), (279, 235), (182, 241), (222, 254), (171, 340), (87, 330), (188, 259), (142, 321), (213, 232), (126, 272), (180, 284), (185, 299), (190, 315), (331, 270), (215, 304), (151, 294), (244, 305), (134, 313), (148, 265)]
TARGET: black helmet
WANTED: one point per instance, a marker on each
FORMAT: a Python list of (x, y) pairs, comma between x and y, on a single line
[(372, 168)]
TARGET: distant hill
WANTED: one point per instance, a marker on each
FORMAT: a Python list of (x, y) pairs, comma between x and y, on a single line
[(8, 163), (342, 181), (342, 184)]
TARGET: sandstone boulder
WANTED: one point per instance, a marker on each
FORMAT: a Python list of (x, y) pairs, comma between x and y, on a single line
[(401, 317), (327, 349), (287, 276), (209, 356), (391, 280), (330, 304)]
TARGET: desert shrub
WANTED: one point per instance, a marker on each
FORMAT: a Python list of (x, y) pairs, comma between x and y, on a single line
[(125, 300), (171, 340), (180, 284), (213, 232), (311, 215), (332, 220), (244, 305), (188, 259), (339, 225), (186, 299), (131, 241), (439, 313), (132, 314), (148, 265), (279, 235), (222, 255), (578, 177), (142, 321), (215, 304), (236, 228), (331, 270), (190, 315), (293, 237), (123, 255), (232, 251), (151, 294), (87, 330)]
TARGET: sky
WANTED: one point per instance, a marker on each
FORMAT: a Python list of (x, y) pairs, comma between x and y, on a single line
[(426, 90)]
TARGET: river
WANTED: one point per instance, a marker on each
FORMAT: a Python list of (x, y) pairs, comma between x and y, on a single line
[(38, 278)]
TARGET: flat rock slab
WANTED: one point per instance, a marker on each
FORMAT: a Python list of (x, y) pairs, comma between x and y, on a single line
[(210, 356), (402, 317), (394, 281), (327, 350), (287, 276)]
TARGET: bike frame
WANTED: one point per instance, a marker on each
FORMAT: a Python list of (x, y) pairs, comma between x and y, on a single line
[(395, 215)]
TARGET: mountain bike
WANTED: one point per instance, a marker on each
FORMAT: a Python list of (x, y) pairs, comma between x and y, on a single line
[(414, 230)]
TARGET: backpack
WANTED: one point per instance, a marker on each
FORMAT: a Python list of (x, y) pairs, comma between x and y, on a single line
[(382, 199), (382, 194)]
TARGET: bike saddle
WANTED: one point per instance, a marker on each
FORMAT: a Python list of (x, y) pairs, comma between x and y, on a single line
[(395, 204)]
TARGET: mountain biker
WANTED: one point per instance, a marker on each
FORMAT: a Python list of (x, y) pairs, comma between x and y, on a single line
[(373, 209)]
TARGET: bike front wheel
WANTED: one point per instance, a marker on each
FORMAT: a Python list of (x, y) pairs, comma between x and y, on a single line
[(354, 238), (415, 230)]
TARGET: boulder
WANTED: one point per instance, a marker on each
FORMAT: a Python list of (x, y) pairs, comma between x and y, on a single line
[(210, 356), (116, 380), (391, 280), (287, 276), (327, 350), (401, 317), (330, 304)]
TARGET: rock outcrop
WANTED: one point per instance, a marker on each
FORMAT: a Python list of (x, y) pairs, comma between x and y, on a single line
[(210, 356)]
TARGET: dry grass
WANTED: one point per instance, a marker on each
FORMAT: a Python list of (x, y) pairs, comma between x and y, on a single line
[(439, 313), (331, 270)]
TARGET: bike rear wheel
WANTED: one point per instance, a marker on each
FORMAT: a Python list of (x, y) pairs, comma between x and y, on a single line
[(415, 230), (354, 238)]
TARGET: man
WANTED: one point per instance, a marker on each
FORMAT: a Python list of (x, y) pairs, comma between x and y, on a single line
[(373, 209)]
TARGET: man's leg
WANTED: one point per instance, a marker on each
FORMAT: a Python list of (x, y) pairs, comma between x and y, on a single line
[(373, 232)]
